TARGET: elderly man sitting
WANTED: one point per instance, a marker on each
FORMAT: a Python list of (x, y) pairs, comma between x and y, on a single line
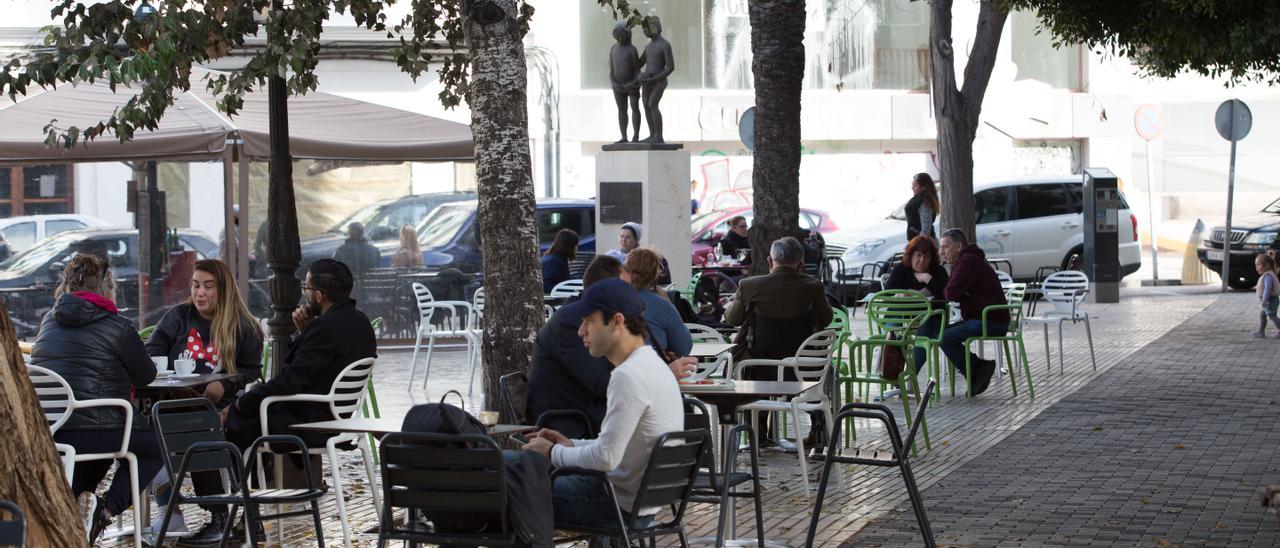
[(974, 285)]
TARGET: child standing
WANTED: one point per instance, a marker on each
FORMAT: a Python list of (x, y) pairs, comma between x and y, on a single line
[(1268, 293)]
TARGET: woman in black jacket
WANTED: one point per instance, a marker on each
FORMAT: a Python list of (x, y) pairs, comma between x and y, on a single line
[(921, 270), (86, 341), (922, 208)]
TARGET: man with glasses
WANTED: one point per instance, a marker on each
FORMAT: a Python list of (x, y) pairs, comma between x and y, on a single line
[(331, 335), (974, 285)]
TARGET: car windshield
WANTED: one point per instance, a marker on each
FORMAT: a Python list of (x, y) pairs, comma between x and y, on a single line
[(442, 225), (1274, 207), (365, 217), (705, 220), (38, 255)]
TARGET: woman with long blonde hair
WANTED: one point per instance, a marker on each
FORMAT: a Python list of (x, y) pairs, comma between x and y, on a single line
[(410, 254)]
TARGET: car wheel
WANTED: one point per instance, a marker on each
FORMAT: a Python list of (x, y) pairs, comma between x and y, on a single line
[(1074, 259)]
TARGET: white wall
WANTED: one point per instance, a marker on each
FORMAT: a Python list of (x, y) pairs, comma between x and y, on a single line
[(102, 191), (206, 197)]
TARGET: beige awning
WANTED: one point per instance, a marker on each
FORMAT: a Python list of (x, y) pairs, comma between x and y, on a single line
[(321, 126)]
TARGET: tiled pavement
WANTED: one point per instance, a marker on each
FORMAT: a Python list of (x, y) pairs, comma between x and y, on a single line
[(1167, 448), (961, 430)]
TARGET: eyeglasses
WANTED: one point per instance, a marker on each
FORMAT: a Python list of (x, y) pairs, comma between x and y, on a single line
[(306, 287), (743, 225)]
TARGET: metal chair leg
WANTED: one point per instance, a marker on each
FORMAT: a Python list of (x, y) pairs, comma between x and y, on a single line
[(1089, 333)]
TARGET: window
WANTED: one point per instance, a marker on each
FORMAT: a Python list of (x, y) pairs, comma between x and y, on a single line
[(36, 190), (991, 206), (1036, 58), (550, 221), (61, 225), (1042, 201), (1077, 196), (810, 221), (20, 236)]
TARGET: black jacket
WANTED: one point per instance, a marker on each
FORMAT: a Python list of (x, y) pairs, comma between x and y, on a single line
[(902, 277), (99, 354), (915, 224), (563, 375), (170, 339), (331, 343), (359, 255)]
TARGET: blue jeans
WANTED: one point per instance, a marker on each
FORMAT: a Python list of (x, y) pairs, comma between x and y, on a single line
[(584, 500), (928, 330), (953, 339)]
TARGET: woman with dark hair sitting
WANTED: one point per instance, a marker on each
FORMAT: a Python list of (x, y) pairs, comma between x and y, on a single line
[(921, 270), (86, 341), (555, 262)]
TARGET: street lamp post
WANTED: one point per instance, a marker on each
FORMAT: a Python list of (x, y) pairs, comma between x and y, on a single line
[(283, 251)]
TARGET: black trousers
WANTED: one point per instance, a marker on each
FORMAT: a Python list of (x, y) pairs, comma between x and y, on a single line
[(241, 430), (88, 474)]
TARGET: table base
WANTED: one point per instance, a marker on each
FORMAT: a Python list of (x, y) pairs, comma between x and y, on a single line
[(740, 542)]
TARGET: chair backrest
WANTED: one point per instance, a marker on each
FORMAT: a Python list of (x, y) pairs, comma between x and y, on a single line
[(56, 397), (350, 387), (893, 309), (1015, 293), (515, 395), (1065, 289), (839, 321), (13, 531), (698, 417), (548, 311), (422, 296), (673, 465), (179, 424), (566, 289), (435, 473), (477, 300), (578, 266), (704, 334), (1004, 277)]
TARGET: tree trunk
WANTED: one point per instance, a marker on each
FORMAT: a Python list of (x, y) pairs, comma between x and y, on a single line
[(957, 110), (284, 252), (507, 229), (777, 61), (31, 473)]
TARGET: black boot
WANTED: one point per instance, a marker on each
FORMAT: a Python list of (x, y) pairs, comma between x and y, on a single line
[(210, 534), (982, 374)]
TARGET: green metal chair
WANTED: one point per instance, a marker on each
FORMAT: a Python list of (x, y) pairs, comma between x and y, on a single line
[(901, 313), (145, 333), (1010, 341), (371, 402)]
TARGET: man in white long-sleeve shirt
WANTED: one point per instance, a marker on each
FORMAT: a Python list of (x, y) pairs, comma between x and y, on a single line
[(643, 404)]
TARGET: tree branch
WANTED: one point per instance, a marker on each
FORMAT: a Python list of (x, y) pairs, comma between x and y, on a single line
[(977, 71)]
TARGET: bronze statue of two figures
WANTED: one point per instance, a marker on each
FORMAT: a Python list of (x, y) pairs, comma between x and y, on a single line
[(635, 77)]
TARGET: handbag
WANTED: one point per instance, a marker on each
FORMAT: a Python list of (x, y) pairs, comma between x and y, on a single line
[(888, 361)]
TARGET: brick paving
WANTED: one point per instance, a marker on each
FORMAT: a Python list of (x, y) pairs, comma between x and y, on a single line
[(1167, 448), (962, 431)]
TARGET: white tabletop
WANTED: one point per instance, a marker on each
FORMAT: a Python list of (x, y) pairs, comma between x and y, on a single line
[(707, 350)]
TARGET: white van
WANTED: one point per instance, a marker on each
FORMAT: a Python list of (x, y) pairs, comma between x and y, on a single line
[(1030, 222)]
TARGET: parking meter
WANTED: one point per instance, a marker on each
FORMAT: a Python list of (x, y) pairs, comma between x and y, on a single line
[(1102, 205)]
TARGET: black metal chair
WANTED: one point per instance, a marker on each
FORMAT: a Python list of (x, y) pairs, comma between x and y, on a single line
[(515, 398), (712, 486), (443, 474), (668, 481), (898, 459), (13, 531), (192, 440)]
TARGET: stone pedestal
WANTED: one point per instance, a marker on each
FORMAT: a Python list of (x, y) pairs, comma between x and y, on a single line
[(650, 187)]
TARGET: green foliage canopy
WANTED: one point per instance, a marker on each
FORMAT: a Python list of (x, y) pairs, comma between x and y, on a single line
[(1239, 39), (154, 55)]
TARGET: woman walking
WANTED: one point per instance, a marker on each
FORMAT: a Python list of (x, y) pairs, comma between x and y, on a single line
[(922, 208)]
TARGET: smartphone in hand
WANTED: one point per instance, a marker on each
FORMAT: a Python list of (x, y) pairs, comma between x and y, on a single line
[(520, 438)]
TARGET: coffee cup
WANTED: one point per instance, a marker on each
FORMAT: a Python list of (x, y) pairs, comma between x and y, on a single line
[(184, 367), (489, 418), (161, 363)]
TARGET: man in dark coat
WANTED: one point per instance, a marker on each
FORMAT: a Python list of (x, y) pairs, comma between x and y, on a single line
[(331, 335), (356, 252), (975, 286)]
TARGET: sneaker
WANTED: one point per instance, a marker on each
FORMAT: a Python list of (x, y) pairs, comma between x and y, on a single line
[(177, 522), (98, 518), (1259, 334), (210, 534), (982, 376), (88, 504)]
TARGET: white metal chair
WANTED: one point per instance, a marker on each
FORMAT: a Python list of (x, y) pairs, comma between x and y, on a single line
[(1064, 290), (1005, 279), (709, 367), (566, 289), (442, 320), (345, 398), (59, 402), (812, 363)]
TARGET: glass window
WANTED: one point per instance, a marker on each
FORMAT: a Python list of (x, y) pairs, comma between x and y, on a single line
[(809, 221), (588, 224), (1036, 58), (991, 206), (550, 221), (48, 181), (1077, 196), (1042, 201), (45, 208), (61, 225), (21, 235), (6, 183), (439, 228)]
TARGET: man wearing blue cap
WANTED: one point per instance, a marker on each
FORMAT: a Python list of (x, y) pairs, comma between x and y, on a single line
[(644, 403)]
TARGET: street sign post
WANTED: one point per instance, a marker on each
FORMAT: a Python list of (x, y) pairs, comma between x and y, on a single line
[(1233, 121), (1148, 121)]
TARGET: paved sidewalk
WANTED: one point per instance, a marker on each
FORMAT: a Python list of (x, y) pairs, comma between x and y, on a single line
[(1167, 448)]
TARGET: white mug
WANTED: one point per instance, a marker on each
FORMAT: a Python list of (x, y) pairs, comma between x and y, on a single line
[(161, 362), (184, 367), (489, 418)]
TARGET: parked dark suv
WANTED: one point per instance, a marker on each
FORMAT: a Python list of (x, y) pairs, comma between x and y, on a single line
[(1250, 236), (449, 236), (382, 222)]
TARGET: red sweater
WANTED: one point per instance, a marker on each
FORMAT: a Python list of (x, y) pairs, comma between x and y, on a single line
[(974, 285)]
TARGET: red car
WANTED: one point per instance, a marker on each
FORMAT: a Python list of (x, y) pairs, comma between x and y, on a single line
[(708, 228)]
